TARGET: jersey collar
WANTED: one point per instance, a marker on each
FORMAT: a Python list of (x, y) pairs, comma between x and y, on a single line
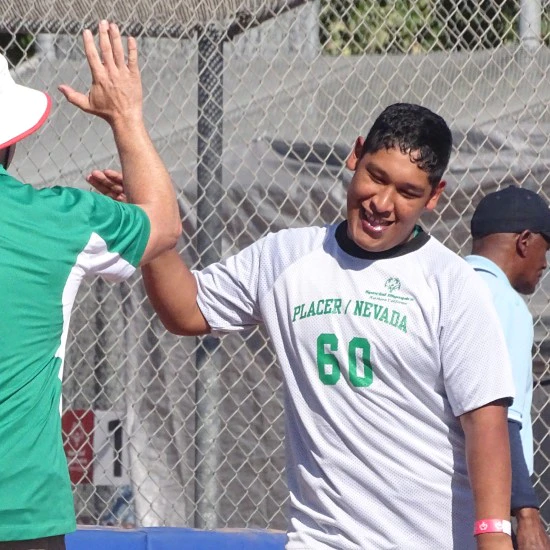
[(481, 263), (419, 239)]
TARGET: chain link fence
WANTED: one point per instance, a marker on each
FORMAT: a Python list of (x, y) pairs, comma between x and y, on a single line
[(254, 120)]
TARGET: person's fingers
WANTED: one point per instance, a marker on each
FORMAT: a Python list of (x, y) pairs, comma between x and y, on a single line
[(104, 185), (100, 188), (98, 184), (132, 55), (98, 174), (99, 180), (92, 55), (96, 177), (107, 192), (116, 45), (105, 45), (76, 98), (114, 176)]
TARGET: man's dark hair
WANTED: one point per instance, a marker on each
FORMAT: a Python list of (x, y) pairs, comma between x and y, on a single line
[(416, 131)]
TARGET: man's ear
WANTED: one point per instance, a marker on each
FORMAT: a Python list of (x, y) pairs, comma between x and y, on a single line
[(434, 195), (355, 155), (523, 240)]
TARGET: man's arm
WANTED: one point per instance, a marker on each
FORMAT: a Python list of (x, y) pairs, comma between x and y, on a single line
[(489, 469), (116, 96), (170, 286), (530, 533), (172, 291)]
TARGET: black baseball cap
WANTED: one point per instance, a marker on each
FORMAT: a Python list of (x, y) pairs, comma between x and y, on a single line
[(511, 210)]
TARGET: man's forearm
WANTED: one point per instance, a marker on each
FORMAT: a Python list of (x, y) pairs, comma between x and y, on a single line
[(146, 180), (489, 469), (172, 291)]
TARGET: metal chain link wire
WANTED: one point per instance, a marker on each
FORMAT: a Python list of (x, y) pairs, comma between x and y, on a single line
[(254, 125)]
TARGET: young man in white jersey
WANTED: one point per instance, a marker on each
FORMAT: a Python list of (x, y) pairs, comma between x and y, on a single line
[(510, 241), (395, 369), (50, 240)]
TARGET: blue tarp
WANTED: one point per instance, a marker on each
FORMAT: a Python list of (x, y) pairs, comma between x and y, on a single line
[(173, 538)]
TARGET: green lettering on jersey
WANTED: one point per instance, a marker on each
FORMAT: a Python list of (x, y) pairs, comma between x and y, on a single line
[(381, 313), (327, 364), (360, 368), (403, 324), (394, 320), (324, 306), (358, 357), (367, 309), (362, 308)]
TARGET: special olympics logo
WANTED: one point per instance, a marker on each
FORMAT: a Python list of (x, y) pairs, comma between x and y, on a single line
[(393, 284)]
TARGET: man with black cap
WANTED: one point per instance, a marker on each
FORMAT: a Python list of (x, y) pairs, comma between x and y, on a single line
[(511, 236), (51, 239)]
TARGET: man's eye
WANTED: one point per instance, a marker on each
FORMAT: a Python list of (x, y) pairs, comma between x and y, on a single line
[(410, 193)]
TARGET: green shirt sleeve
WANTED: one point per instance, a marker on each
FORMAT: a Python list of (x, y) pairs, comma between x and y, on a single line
[(125, 228)]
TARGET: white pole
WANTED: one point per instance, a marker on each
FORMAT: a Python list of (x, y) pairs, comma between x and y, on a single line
[(530, 26)]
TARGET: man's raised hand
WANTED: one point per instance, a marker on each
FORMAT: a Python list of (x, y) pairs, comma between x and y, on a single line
[(116, 90)]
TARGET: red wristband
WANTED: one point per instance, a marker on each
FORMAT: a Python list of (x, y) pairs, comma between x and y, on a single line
[(492, 526)]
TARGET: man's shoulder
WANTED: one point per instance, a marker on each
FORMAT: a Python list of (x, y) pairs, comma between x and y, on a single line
[(493, 276), (17, 193), (299, 237), (278, 250), (483, 264), (76, 200), (504, 296), (443, 261), (293, 232)]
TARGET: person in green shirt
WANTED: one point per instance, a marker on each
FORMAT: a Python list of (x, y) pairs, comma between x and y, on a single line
[(50, 240)]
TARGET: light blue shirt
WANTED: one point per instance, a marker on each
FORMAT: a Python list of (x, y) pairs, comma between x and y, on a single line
[(517, 324)]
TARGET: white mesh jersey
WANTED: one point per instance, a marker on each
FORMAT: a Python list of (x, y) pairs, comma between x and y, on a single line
[(380, 353)]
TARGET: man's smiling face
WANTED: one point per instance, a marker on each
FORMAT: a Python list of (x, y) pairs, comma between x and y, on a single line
[(386, 196)]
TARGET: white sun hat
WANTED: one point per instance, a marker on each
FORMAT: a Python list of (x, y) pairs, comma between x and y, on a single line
[(22, 110)]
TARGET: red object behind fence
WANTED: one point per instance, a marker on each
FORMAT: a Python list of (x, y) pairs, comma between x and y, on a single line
[(78, 442)]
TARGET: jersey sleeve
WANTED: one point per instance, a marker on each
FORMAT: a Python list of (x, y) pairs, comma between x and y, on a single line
[(228, 291), (523, 493), (119, 235), (474, 357)]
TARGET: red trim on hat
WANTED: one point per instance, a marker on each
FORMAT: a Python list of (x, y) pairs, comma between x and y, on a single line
[(34, 128)]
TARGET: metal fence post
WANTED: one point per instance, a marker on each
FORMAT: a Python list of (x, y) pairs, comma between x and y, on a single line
[(209, 232), (530, 23)]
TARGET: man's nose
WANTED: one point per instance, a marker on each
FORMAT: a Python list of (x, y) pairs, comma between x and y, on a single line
[(383, 201)]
